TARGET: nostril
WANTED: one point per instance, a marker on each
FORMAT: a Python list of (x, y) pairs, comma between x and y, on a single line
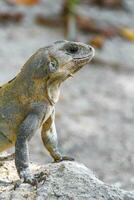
[(90, 48)]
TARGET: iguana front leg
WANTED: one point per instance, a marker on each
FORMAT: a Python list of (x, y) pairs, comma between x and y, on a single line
[(28, 127), (49, 137)]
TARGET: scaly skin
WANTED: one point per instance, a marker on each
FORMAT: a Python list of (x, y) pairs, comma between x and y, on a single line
[(27, 102)]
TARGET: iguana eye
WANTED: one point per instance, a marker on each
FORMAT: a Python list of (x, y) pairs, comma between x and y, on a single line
[(71, 48)]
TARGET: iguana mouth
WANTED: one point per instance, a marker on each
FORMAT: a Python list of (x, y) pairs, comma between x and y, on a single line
[(87, 56), (83, 58), (80, 62)]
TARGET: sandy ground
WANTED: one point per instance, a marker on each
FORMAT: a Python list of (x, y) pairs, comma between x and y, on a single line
[(95, 114)]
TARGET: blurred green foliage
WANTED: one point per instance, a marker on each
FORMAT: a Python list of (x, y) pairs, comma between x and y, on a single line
[(72, 3)]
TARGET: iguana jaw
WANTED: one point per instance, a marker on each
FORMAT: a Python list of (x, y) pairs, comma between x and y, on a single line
[(68, 65), (71, 56), (80, 62)]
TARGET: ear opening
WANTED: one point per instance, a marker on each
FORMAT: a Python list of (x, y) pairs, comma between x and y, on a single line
[(53, 65)]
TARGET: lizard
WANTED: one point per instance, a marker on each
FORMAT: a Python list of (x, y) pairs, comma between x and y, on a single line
[(27, 102)]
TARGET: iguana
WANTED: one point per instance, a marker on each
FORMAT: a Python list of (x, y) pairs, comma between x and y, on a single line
[(27, 102)]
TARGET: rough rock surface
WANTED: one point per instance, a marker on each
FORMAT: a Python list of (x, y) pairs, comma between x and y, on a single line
[(63, 181)]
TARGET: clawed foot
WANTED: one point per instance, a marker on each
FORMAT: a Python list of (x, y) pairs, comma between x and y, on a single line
[(41, 177), (64, 158), (26, 177)]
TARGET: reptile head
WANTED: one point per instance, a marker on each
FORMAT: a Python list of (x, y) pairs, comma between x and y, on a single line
[(60, 60), (53, 64), (68, 57)]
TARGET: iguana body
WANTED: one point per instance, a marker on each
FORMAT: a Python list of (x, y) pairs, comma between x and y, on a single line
[(27, 102)]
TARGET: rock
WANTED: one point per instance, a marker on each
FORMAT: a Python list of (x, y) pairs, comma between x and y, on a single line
[(63, 181)]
